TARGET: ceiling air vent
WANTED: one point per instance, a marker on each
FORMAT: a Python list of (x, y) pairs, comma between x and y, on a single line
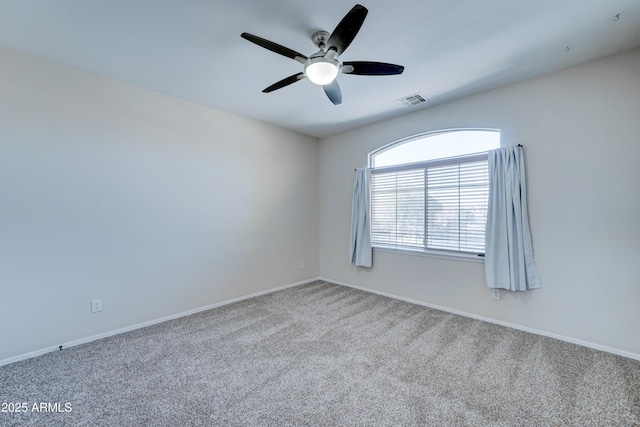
[(411, 100)]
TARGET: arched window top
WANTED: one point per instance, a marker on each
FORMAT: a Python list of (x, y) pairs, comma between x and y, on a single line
[(435, 145)]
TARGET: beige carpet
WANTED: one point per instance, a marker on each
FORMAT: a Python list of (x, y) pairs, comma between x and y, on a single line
[(322, 354)]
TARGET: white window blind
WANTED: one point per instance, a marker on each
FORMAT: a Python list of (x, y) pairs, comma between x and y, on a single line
[(435, 205)]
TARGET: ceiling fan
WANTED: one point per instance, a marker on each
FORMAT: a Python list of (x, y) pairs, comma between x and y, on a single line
[(323, 67)]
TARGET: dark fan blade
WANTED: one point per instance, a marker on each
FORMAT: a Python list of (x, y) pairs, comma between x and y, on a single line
[(347, 29), (333, 92), (274, 47), (369, 68), (284, 82)]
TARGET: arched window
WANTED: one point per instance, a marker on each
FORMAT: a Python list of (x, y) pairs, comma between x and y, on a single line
[(429, 192)]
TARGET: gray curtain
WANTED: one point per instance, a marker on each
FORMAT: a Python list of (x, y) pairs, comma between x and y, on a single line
[(360, 246), (509, 262)]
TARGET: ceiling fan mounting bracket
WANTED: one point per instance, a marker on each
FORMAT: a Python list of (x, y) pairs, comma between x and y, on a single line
[(320, 38)]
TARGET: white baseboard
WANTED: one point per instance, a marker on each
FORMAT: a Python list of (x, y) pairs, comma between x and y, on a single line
[(148, 323), (490, 320), (337, 282)]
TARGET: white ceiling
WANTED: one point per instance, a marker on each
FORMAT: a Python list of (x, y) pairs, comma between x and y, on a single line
[(192, 49)]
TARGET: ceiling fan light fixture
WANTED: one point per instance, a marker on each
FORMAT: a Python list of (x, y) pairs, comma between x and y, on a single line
[(321, 70)]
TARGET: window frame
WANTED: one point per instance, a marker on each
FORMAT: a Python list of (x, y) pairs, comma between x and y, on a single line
[(470, 157)]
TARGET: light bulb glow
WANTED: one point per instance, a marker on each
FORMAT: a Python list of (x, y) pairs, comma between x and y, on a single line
[(321, 71)]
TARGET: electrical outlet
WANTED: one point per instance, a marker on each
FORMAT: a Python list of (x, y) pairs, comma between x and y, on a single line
[(301, 264), (96, 305), (495, 293)]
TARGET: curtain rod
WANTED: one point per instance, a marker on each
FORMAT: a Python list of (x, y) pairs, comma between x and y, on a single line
[(519, 145)]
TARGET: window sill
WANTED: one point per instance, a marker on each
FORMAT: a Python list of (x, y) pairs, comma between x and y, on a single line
[(433, 254)]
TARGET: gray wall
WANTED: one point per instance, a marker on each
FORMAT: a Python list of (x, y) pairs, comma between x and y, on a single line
[(159, 206), (153, 204), (581, 132)]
